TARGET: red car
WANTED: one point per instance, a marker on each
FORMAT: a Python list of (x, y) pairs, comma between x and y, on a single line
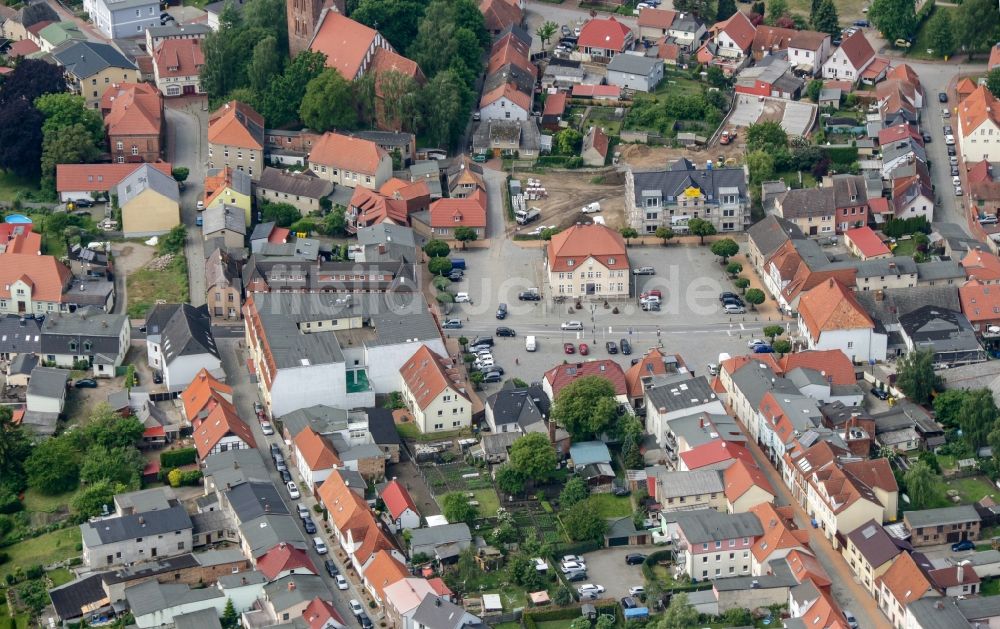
[(584, 349), (568, 348), (651, 293)]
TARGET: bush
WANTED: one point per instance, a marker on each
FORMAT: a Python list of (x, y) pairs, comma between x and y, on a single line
[(897, 227), (9, 502), (174, 477), (841, 156), (191, 477), (34, 572), (178, 457)]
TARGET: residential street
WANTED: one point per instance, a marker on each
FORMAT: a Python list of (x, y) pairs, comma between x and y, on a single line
[(187, 127)]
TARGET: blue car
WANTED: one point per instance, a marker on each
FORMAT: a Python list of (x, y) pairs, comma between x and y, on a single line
[(763, 349), (965, 544)]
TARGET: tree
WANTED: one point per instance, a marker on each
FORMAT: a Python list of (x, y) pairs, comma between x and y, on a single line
[(814, 89), (30, 79), (605, 621), (766, 136), (444, 103), (398, 100), (760, 163), (948, 405), (230, 619), (70, 145), (776, 9), (741, 283), (284, 214), (65, 110), (335, 223), (754, 297), (772, 331), (575, 490), (329, 103), (568, 142), (564, 596), (174, 477), (701, 228), (586, 407), (733, 269), (546, 30), (439, 266), (716, 77), (180, 174), (664, 234), (109, 429), (21, 137), (631, 455), (129, 377), (436, 249), (782, 346), (680, 614), (897, 19), (725, 11), (265, 65), (921, 485), (508, 480), (533, 457), (548, 233), (628, 233), (941, 32), (993, 81), (977, 25), (91, 500), (396, 20), (456, 508), (53, 466), (116, 465), (173, 242), (916, 378), (977, 416), (14, 449), (582, 522), (725, 248), (451, 35), (281, 102), (521, 570), (465, 235), (825, 19)]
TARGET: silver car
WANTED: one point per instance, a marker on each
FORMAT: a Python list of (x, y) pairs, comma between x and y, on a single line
[(734, 309), (572, 325)]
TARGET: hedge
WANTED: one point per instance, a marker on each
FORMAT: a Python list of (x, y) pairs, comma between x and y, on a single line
[(178, 457), (654, 558), (578, 548), (563, 613), (842, 154), (925, 11)]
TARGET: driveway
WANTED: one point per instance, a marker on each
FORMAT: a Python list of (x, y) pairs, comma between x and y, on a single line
[(570, 14), (187, 128), (607, 567)]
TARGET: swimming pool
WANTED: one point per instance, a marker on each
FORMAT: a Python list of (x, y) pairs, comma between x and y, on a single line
[(18, 219)]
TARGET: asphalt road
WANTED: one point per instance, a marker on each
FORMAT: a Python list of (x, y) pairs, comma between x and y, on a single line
[(187, 130)]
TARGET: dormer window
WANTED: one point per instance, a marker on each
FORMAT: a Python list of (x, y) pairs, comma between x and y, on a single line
[(87, 345), (72, 346)]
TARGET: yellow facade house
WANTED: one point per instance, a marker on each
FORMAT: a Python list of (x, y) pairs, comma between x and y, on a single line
[(149, 201)]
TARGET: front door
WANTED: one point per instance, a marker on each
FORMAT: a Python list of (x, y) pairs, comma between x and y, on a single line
[(21, 307), (188, 89)]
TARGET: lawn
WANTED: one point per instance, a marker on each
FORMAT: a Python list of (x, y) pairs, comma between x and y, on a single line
[(989, 587), (906, 249), (972, 489), (791, 178), (921, 44), (411, 432), (611, 506), (488, 502), (44, 549), (145, 286), (847, 10), (41, 503), (11, 184), (554, 624), (60, 576)]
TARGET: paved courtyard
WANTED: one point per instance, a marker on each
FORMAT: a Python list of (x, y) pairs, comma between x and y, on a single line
[(691, 322), (607, 567)]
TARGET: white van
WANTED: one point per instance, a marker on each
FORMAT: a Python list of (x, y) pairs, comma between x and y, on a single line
[(529, 343)]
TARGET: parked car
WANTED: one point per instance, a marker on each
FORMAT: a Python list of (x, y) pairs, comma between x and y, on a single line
[(752, 343), (576, 576), (634, 559), (456, 276), (852, 622), (951, 150), (942, 97), (881, 394), (286, 476), (626, 346), (644, 270), (572, 566), (505, 331), (331, 568), (650, 306), (309, 525), (342, 583), (293, 490), (303, 510), (965, 544), (571, 325), (157, 377), (275, 449), (948, 130), (492, 376), (734, 309), (591, 587), (728, 295), (529, 295), (927, 138), (576, 558), (628, 602), (462, 298), (321, 548), (280, 465), (366, 622), (584, 349), (83, 203), (483, 340), (356, 608), (612, 347), (949, 140), (763, 349), (502, 311), (86, 383), (452, 324), (266, 428), (637, 590)]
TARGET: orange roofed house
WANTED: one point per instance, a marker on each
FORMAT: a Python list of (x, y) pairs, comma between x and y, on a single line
[(588, 261), (433, 392), (393, 203), (601, 39), (79, 181), (350, 161), (236, 139), (830, 317), (979, 126), (176, 66), (133, 116)]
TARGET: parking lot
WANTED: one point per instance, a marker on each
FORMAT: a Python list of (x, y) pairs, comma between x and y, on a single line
[(607, 567), (690, 323)]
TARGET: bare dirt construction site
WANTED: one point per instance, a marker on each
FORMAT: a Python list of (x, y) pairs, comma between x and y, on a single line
[(570, 191), (645, 156)]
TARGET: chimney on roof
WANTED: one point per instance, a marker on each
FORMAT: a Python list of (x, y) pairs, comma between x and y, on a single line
[(960, 572), (291, 586), (142, 521), (552, 431)]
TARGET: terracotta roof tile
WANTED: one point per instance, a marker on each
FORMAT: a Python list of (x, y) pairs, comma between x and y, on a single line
[(904, 72), (608, 34), (555, 104), (426, 375), (739, 28), (867, 241), (580, 242), (805, 567), (316, 452), (510, 50), (560, 376), (22, 48), (596, 91), (281, 558), (741, 476), (499, 14), (135, 110), (397, 499), (779, 532), (222, 420), (976, 109), (982, 265), (905, 580), (343, 151), (459, 212), (824, 613), (97, 177), (950, 576), (831, 306), (649, 365), (807, 40), (980, 302), (713, 453), (345, 509), (656, 18), (771, 39), (236, 124), (391, 61), (345, 43), (965, 87), (980, 172), (202, 394), (48, 276), (858, 49), (511, 93), (320, 614), (178, 57), (384, 571)]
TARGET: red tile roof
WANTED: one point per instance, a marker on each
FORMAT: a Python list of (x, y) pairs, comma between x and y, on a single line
[(982, 265), (980, 172), (905, 73), (350, 153), (879, 205), (373, 208), (739, 28), (952, 576), (319, 614), (458, 212), (510, 49), (905, 580), (508, 91), (824, 613), (656, 18), (977, 108), (316, 452), (135, 110), (598, 140), (284, 557), (875, 68), (607, 34), (569, 249), (832, 306), (596, 91), (426, 375), (867, 242), (899, 132), (386, 60), (741, 476), (805, 567), (964, 88), (345, 43), (47, 276), (713, 453), (230, 124), (560, 376), (97, 177), (651, 364), (397, 499), (203, 394), (383, 572), (178, 57), (780, 532), (22, 48), (980, 302), (858, 49), (19, 238), (499, 14), (223, 420), (555, 104)]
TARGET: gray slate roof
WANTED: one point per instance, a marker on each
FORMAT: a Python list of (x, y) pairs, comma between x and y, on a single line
[(437, 613), (979, 607), (772, 232), (940, 329), (267, 531), (262, 231), (438, 535), (228, 217), (305, 184), (669, 184), (679, 391), (514, 406), (127, 527), (23, 364), (201, 619), (307, 587), (874, 544), (633, 64), (19, 335), (151, 596), (70, 598), (943, 516), (239, 180), (253, 500), (674, 484), (927, 614), (175, 30), (48, 382), (708, 525), (100, 329), (143, 178), (322, 419), (84, 59), (188, 333)]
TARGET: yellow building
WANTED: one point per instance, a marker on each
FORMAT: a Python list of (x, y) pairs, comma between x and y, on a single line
[(588, 261), (92, 67), (226, 186), (149, 201)]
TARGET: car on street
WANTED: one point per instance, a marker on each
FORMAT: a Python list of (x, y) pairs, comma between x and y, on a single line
[(505, 331), (728, 295), (612, 347), (342, 583), (279, 463), (949, 140), (293, 490), (157, 377), (266, 428), (492, 376), (452, 324), (954, 170), (331, 568), (951, 150), (591, 587), (953, 160), (502, 311), (584, 349), (927, 138), (483, 340), (571, 325), (309, 525), (529, 295), (754, 343), (734, 309), (881, 394), (86, 383), (366, 622), (652, 293), (852, 622), (942, 97), (965, 544), (576, 32), (763, 349), (948, 130), (958, 191), (285, 475), (302, 510), (82, 203), (456, 276), (200, 205), (356, 607), (956, 180), (626, 346), (320, 545), (275, 450), (634, 559), (650, 306), (988, 219), (644, 270), (462, 298)]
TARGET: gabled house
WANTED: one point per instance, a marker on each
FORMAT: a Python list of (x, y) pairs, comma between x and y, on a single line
[(180, 344), (155, 526), (634, 72), (602, 38), (947, 525), (734, 36), (830, 317), (283, 560), (981, 305), (808, 50), (978, 131), (505, 102), (228, 186), (903, 583), (149, 202), (431, 391), (177, 67), (134, 122), (686, 32), (583, 249), (202, 396), (304, 191), (501, 14), (79, 181), (225, 224), (45, 400), (32, 283), (655, 23), (709, 544), (91, 66), (746, 486), (558, 377), (222, 430), (383, 571), (443, 543), (781, 537), (99, 339), (350, 161), (516, 410), (400, 507), (236, 139), (870, 552), (315, 457), (448, 214), (850, 60)]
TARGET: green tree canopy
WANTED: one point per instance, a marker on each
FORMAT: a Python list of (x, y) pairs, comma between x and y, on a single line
[(586, 407), (54, 466), (109, 429), (582, 522), (265, 64), (65, 110), (456, 508), (772, 331), (14, 449), (533, 457), (922, 486), (575, 490), (509, 480), (941, 32), (754, 297), (664, 234), (725, 11), (782, 346), (947, 407), (396, 20), (444, 102), (701, 228), (68, 145), (814, 90), (439, 266), (915, 376), (977, 416), (628, 233), (993, 81), (680, 614), (897, 19), (977, 25), (436, 249), (284, 214), (568, 142), (825, 19), (121, 465), (280, 103), (546, 30), (766, 136), (725, 248), (465, 235), (91, 500)]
